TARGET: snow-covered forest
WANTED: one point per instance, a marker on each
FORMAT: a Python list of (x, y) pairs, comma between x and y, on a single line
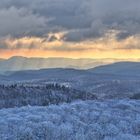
[(83, 120), (17, 95), (74, 107)]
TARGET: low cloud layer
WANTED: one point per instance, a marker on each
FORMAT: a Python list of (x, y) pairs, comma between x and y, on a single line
[(77, 21)]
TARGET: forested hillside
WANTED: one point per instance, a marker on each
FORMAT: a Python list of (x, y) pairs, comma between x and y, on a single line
[(16, 95)]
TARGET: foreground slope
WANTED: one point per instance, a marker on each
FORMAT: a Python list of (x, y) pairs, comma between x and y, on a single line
[(107, 120)]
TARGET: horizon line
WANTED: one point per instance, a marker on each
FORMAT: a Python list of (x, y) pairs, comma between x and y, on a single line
[(69, 58)]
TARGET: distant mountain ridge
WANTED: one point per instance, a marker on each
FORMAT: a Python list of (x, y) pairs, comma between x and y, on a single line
[(22, 68), (119, 68), (18, 63), (58, 73)]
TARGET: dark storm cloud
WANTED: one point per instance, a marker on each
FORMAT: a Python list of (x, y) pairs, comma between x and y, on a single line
[(96, 30), (82, 19), (123, 35), (20, 22)]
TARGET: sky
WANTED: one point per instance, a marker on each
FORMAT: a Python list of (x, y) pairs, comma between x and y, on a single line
[(70, 28)]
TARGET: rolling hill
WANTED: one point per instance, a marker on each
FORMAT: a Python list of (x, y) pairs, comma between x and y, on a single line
[(119, 68)]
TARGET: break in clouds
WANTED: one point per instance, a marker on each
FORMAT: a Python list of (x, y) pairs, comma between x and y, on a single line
[(68, 21)]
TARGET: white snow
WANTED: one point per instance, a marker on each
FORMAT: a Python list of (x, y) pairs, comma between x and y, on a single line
[(83, 120)]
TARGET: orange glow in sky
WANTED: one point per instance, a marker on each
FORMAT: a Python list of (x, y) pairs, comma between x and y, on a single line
[(102, 48), (123, 54)]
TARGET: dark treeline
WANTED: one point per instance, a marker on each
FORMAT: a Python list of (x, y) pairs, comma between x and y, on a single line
[(16, 95)]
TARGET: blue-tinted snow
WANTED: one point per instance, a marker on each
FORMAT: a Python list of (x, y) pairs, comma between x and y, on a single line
[(84, 120)]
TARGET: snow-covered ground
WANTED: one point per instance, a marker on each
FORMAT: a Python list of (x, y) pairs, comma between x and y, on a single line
[(83, 120)]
